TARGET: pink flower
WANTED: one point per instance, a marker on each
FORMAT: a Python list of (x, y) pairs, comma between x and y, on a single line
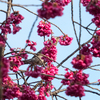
[(10, 89), (50, 69), (49, 50), (15, 69), (16, 61), (45, 89), (99, 81), (76, 77), (44, 29), (63, 2), (85, 49), (31, 44), (96, 20), (5, 29), (75, 90), (95, 49), (93, 9), (36, 73), (15, 28), (16, 18), (82, 61), (28, 93), (98, 32), (41, 97), (50, 10), (65, 40), (85, 2)]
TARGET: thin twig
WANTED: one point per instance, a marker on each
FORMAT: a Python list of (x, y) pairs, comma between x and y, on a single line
[(93, 88), (80, 23), (3, 11), (58, 91), (17, 79), (73, 21), (31, 5), (89, 24), (32, 29), (61, 97), (92, 92), (94, 69), (94, 65), (84, 26)]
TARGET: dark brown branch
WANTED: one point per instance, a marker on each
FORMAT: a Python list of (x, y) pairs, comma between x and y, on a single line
[(93, 88), (3, 11), (94, 65), (92, 92), (84, 26)]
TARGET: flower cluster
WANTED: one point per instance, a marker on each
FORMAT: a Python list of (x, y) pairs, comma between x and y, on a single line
[(96, 20), (31, 44), (44, 29), (75, 90), (41, 96), (16, 61), (75, 80), (27, 93), (10, 89), (94, 10), (36, 73), (76, 77), (65, 40), (49, 50), (50, 10), (82, 61), (15, 28), (5, 29), (69, 76), (50, 69), (95, 49), (45, 89), (85, 2), (14, 19), (63, 2), (85, 50)]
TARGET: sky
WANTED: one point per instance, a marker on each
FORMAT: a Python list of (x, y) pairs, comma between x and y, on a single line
[(65, 24)]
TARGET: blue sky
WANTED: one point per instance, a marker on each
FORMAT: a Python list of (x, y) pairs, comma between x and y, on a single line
[(65, 24)]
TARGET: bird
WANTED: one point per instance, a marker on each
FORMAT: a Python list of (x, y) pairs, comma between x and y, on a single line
[(37, 58)]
